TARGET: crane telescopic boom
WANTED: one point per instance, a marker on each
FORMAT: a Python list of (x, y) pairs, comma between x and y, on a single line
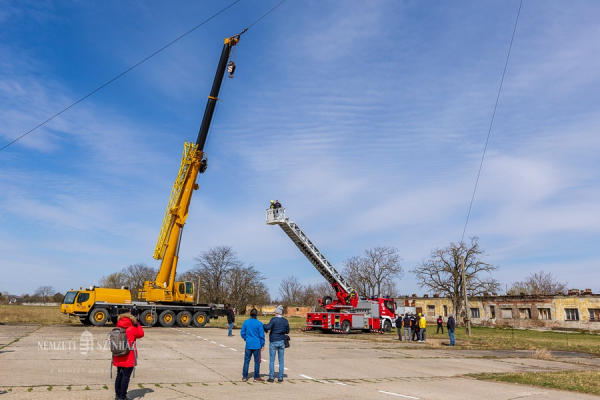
[(164, 288)]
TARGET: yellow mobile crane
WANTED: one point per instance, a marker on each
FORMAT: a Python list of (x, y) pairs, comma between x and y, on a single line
[(163, 299)]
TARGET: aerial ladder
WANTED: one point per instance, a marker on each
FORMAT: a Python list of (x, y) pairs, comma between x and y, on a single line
[(345, 294), (164, 289), (347, 311)]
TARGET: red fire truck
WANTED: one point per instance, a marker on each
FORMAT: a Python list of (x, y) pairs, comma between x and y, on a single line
[(347, 311)]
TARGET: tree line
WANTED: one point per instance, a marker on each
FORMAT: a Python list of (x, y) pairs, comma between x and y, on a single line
[(221, 278)]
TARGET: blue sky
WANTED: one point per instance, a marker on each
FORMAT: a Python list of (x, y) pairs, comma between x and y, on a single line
[(367, 120)]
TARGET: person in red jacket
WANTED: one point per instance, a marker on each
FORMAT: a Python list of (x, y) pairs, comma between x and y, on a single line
[(126, 363)]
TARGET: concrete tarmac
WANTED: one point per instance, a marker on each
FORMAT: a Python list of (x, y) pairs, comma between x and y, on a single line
[(73, 362)]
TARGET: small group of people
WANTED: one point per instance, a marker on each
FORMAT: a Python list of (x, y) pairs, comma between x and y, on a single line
[(275, 205), (253, 332), (413, 327)]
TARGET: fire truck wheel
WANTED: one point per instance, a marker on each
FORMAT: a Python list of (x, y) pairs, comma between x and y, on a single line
[(200, 319), (148, 318), (184, 318), (99, 316), (387, 325), (327, 300), (167, 318), (346, 327)]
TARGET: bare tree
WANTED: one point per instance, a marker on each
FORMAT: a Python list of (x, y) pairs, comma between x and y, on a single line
[(136, 275), (442, 272), (114, 280), (291, 291), (212, 270), (541, 283), (244, 285), (44, 292), (374, 274)]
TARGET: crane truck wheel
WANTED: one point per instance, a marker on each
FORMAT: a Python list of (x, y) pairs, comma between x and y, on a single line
[(167, 318), (387, 325), (148, 318), (200, 319), (99, 316), (346, 327), (184, 318)]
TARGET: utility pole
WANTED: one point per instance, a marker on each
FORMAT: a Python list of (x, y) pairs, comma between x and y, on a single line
[(467, 309)]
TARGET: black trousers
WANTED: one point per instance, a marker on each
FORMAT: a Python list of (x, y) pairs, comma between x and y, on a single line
[(440, 327), (122, 381)]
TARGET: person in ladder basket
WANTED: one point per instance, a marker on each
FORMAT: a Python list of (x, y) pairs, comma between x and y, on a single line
[(126, 363)]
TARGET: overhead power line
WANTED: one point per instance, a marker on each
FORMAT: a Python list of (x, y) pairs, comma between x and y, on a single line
[(133, 67), (492, 121)]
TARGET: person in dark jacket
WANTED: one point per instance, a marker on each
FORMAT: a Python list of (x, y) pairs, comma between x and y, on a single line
[(126, 363), (398, 323), (230, 318), (279, 328), (440, 325), (451, 324), (407, 330)]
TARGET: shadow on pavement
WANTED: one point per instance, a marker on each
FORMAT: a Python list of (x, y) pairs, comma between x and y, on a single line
[(139, 393)]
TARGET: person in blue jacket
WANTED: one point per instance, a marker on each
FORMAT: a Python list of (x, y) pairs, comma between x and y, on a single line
[(254, 335), (279, 328)]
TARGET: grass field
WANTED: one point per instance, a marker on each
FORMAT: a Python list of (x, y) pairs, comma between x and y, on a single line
[(34, 315), (575, 381)]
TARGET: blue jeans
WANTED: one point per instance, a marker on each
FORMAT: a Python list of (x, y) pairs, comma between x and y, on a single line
[(248, 354), (451, 334), (279, 348), (230, 328)]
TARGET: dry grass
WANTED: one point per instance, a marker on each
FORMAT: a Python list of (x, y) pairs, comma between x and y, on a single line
[(34, 315), (576, 381), (519, 339), (541, 354)]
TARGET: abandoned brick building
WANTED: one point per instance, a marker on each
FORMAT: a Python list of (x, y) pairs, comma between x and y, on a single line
[(578, 309)]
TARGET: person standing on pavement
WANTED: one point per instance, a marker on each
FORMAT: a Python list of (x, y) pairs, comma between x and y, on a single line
[(415, 327), (254, 335), (451, 324), (406, 323), (126, 363), (279, 328), (422, 327), (230, 318), (398, 323), (440, 325)]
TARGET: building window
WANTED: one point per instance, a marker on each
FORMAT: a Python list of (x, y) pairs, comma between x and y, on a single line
[(474, 312), (492, 312), (431, 311), (594, 314), (507, 313), (525, 313), (571, 314), (445, 311), (544, 313)]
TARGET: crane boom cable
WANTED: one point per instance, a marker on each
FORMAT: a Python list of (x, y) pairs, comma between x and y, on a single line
[(491, 122)]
